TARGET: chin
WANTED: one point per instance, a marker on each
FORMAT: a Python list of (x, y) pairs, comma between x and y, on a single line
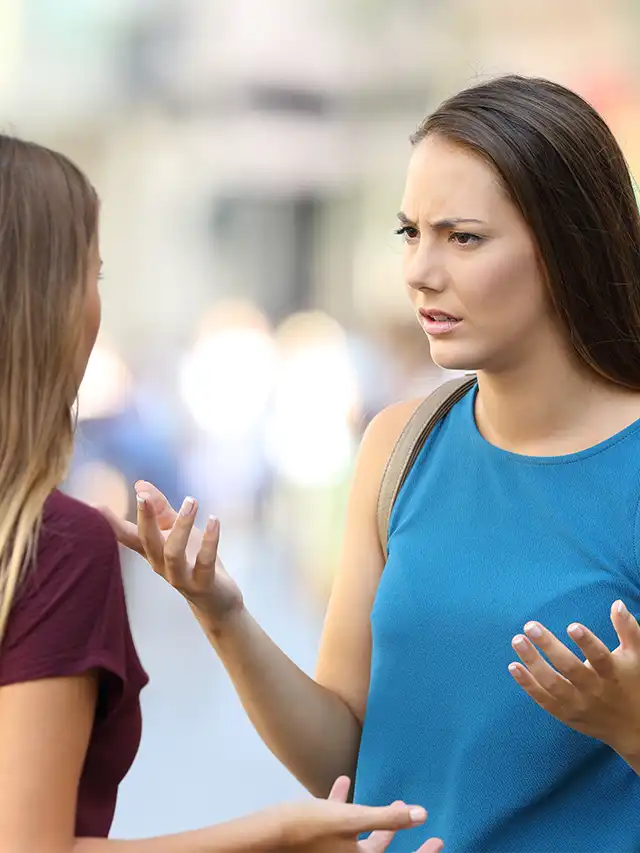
[(454, 358)]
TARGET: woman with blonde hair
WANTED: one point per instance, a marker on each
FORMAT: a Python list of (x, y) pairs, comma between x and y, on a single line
[(70, 677)]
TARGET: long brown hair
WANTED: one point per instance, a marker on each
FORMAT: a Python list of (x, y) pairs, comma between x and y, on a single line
[(48, 221), (564, 170)]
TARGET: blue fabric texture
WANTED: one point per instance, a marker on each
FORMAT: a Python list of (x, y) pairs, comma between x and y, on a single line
[(482, 540)]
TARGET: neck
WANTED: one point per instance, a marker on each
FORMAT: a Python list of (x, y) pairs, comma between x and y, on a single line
[(538, 404)]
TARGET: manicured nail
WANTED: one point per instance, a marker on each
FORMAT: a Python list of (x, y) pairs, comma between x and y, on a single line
[(210, 526), (417, 814), (514, 669), (532, 629), (576, 631), (142, 499), (620, 608), (187, 506), (519, 640)]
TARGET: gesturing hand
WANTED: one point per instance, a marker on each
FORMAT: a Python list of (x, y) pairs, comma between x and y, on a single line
[(599, 697), (184, 556), (378, 841)]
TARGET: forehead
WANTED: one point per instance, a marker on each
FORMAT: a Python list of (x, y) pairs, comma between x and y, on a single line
[(447, 180)]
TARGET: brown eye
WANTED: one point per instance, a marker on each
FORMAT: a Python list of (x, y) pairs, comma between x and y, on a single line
[(408, 232), (463, 238)]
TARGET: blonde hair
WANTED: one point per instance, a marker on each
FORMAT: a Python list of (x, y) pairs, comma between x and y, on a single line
[(48, 221)]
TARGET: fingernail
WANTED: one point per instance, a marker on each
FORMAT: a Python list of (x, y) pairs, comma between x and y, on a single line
[(187, 506), (518, 640), (142, 499), (211, 524), (532, 629), (514, 669), (417, 814), (575, 630), (620, 608)]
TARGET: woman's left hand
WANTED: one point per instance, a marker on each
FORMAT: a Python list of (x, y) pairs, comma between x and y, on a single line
[(599, 697)]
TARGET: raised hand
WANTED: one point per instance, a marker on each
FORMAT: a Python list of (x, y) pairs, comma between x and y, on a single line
[(187, 558), (600, 696)]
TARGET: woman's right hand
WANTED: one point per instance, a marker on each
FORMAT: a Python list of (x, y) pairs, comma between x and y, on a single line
[(186, 557), (333, 826)]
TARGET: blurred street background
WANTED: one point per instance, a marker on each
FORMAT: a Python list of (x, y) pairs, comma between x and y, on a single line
[(250, 161)]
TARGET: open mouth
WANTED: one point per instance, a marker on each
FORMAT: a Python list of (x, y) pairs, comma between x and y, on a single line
[(441, 318), (437, 322)]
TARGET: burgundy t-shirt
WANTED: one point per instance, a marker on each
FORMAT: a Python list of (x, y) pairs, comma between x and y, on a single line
[(70, 616)]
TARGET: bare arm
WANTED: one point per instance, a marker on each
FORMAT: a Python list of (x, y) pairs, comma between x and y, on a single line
[(309, 728), (313, 726), (45, 728), (44, 732)]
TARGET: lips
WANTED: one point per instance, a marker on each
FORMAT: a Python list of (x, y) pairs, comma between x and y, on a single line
[(438, 316)]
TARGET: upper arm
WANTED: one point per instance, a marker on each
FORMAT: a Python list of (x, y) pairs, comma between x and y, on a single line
[(345, 651), (45, 727)]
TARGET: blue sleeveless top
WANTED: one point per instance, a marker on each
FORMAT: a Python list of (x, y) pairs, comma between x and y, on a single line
[(482, 540)]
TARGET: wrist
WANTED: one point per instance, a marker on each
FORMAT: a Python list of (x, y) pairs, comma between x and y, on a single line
[(630, 752), (216, 624)]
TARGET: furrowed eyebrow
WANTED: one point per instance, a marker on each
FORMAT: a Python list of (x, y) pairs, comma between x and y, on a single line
[(441, 224), (404, 219)]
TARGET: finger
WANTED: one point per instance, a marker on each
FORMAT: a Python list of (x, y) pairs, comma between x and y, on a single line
[(593, 649), (340, 790), (561, 657), (126, 532), (626, 626), (433, 845), (206, 559), (543, 673), (165, 513), (396, 816), (524, 679), (149, 532), (176, 544)]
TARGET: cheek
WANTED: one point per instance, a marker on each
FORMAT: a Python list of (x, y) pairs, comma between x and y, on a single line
[(509, 286)]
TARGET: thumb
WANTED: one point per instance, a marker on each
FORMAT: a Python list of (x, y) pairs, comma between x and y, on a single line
[(433, 845), (165, 514), (340, 790), (396, 816), (126, 532)]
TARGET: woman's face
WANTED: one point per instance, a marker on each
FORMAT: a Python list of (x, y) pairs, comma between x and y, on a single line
[(470, 263)]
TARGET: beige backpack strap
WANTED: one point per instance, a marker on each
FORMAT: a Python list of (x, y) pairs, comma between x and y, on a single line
[(411, 441)]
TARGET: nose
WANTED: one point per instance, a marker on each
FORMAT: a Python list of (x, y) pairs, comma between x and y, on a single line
[(423, 269)]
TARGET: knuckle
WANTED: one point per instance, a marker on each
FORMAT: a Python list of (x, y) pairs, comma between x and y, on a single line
[(172, 554)]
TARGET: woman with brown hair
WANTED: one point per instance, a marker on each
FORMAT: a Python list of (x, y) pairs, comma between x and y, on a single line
[(70, 677), (517, 528)]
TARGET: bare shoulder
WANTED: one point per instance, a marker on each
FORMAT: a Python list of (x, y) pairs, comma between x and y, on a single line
[(382, 434), (345, 651)]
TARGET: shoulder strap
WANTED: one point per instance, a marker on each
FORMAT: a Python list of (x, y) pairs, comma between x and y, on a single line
[(411, 441)]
